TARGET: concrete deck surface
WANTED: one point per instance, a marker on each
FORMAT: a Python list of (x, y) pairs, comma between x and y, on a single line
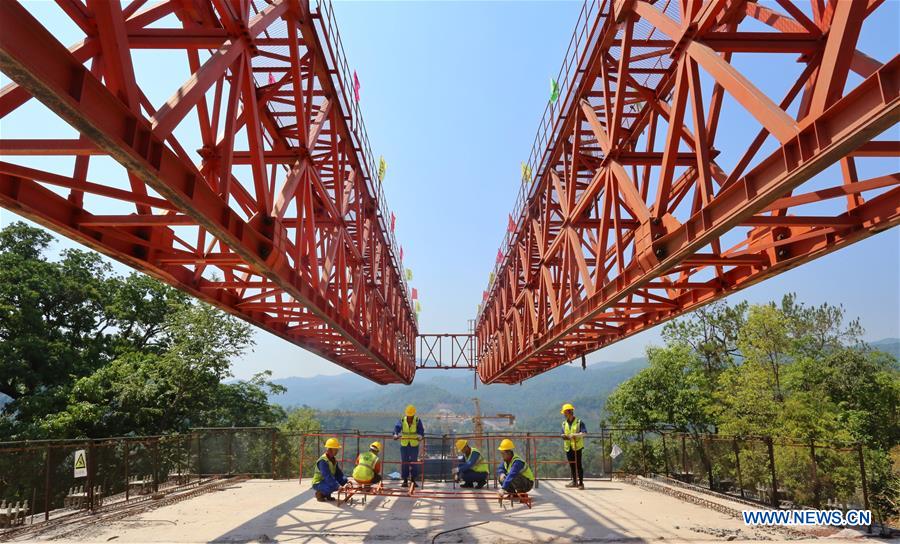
[(283, 511)]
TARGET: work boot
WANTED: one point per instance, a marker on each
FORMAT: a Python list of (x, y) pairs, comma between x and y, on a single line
[(405, 483), (467, 485), (572, 484), (481, 484), (320, 497), (329, 498), (581, 486)]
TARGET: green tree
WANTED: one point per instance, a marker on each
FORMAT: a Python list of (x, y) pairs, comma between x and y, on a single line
[(87, 353)]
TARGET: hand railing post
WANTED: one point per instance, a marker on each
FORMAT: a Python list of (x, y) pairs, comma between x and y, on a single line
[(737, 464), (47, 485), (771, 447)]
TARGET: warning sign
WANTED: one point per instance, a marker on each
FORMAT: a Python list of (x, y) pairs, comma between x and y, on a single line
[(80, 464)]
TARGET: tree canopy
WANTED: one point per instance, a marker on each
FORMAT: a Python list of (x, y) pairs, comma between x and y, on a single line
[(85, 352)]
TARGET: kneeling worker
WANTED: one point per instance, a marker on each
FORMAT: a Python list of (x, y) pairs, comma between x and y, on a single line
[(328, 477), (473, 469), (368, 466), (515, 474)]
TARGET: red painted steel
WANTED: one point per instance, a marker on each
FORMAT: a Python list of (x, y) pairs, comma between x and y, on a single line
[(447, 351), (279, 218), (634, 216)]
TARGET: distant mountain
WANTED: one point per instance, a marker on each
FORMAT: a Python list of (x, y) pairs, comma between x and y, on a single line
[(888, 345), (535, 402)]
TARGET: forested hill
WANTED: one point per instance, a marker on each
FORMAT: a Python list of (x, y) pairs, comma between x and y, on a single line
[(536, 402)]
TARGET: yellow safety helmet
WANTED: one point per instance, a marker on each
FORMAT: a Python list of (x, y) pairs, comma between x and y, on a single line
[(332, 443), (565, 407), (507, 445), (410, 410), (461, 444), (375, 446)]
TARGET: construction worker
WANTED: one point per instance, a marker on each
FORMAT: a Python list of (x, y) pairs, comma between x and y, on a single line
[(514, 473), (473, 469), (368, 466), (573, 431), (409, 431), (328, 477)]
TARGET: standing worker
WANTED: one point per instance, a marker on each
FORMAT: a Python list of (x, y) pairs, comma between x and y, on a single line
[(328, 477), (573, 431), (368, 466), (473, 469), (514, 473), (409, 431)]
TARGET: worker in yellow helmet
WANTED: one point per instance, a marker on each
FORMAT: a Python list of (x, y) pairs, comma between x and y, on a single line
[(514, 473), (409, 431), (368, 466), (328, 477), (472, 469), (573, 431)]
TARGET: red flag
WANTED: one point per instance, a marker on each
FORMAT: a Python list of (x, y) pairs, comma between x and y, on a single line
[(511, 226), (355, 86), (393, 221), (484, 295), (271, 79), (415, 294), (499, 257), (401, 253)]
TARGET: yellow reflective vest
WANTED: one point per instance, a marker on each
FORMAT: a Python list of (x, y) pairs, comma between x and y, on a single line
[(365, 467), (408, 436), (572, 429)]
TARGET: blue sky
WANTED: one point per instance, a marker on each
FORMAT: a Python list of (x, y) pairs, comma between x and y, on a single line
[(452, 93)]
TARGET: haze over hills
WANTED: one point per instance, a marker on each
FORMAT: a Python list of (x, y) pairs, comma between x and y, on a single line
[(535, 402)]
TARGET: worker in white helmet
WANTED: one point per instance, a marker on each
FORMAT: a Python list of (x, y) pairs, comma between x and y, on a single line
[(409, 430)]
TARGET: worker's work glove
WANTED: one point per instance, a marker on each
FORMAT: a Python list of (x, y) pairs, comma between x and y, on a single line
[(501, 493), (502, 478), (455, 470), (396, 437)]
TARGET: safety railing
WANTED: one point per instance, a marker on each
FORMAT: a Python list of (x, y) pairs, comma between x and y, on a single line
[(46, 480), (568, 78)]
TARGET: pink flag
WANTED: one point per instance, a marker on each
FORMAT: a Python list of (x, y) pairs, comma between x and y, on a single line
[(415, 294), (393, 221), (484, 295), (355, 86), (401, 253), (271, 79), (499, 257), (511, 226)]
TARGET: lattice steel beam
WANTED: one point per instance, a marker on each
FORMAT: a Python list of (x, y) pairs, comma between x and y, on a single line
[(297, 244), (630, 219)]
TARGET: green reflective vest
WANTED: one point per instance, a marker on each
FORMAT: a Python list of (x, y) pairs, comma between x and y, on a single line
[(332, 466), (480, 465), (525, 471), (572, 429), (409, 437), (365, 467)]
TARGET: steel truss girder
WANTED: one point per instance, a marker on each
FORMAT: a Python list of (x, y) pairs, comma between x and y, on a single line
[(299, 249), (600, 254)]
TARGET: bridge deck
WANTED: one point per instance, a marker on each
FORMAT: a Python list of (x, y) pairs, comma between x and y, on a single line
[(269, 511)]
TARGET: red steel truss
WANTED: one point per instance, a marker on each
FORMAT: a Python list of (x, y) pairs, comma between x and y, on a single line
[(278, 218), (629, 216)]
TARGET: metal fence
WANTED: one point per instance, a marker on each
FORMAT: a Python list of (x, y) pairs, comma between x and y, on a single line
[(38, 480)]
